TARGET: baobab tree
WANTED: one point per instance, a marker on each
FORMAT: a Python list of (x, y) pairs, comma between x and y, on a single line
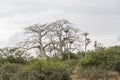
[(97, 45), (66, 36), (87, 41), (38, 38), (52, 37)]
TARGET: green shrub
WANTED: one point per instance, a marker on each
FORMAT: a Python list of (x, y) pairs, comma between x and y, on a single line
[(108, 59), (72, 56), (28, 75), (8, 71), (52, 70), (71, 64)]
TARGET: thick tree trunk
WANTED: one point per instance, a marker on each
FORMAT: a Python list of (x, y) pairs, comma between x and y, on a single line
[(43, 54), (41, 49)]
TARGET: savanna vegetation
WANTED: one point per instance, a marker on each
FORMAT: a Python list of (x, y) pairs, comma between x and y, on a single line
[(53, 52)]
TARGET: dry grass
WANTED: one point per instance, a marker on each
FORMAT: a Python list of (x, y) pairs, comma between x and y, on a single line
[(112, 76)]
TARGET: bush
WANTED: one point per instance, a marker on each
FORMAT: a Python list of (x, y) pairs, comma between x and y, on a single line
[(108, 59), (28, 75), (92, 73), (71, 64), (94, 59), (52, 70), (8, 71), (72, 56)]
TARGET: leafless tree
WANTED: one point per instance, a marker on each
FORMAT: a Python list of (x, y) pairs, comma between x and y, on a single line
[(38, 38), (87, 41), (54, 38), (66, 37), (98, 45)]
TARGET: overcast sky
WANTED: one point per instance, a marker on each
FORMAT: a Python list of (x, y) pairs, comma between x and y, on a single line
[(100, 18)]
